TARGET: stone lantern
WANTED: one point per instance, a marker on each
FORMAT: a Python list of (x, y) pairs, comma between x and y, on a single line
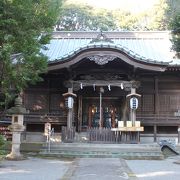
[(16, 128)]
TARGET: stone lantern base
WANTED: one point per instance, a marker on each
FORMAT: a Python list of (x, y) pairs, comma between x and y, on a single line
[(16, 128), (15, 157)]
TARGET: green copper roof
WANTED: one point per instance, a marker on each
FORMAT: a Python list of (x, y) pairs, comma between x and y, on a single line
[(151, 47)]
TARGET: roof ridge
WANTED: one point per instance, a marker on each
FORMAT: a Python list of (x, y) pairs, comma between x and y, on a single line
[(110, 35)]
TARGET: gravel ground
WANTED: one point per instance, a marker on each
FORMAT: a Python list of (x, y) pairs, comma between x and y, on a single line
[(168, 169)]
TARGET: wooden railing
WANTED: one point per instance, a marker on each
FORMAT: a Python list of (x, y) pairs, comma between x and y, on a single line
[(158, 119), (101, 134), (106, 135), (146, 119)]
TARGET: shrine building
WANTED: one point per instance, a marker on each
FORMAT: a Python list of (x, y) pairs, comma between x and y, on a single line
[(125, 83)]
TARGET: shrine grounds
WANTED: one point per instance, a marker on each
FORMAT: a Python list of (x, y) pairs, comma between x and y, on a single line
[(90, 168)]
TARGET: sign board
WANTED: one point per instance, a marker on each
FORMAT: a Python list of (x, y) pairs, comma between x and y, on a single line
[(177, 114), (47, 129), (133, 103)]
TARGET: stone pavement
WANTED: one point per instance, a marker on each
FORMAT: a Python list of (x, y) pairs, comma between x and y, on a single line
[(167, 169), (77, 169), (33, 169), (90, 168), (99, 169)]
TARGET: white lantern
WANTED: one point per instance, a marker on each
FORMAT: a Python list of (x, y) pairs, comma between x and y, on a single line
[(133, 103), (70, 102)]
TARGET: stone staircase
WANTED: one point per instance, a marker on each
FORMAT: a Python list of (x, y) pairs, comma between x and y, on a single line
[(89, 150)]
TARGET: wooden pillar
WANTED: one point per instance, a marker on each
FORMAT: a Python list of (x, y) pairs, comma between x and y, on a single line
[(125, 113), (156, 105), (113, 123), (70, 113), (90, 116), (70, 97), (156, 96), (133, 111), (100, 108), (178, 134), (155, 133), (49, 96), (79, 113)]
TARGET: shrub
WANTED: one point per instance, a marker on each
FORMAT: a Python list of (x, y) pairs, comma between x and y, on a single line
[(2, 141)]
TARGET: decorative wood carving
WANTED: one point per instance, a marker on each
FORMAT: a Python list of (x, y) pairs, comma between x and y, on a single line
[(101, 59)]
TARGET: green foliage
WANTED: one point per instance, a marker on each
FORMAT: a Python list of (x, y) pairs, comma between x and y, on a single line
[(82, 17), (156, 17), (4, 146), (173, 15), (173, 9), (125, 20), (25, 25), (175, 25), (85, 18), (2, 141)]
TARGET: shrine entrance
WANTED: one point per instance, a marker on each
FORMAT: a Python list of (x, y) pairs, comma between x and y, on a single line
[(111, 112), (108, 115)]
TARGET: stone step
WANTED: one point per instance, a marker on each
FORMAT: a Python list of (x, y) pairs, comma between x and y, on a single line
[(127, 151), (154, 145), (125, 155), (100, 147)]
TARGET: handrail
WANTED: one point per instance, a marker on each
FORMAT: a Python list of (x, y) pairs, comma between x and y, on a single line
[(158, 119)]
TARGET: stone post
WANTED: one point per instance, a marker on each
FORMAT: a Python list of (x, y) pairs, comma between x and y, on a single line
[(16, 128)]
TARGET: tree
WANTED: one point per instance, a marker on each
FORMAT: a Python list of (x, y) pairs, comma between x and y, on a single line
[(175, 26), (125, 20), (85, 18), (173, 16), (25, 26), (157, 19), (173, 9)]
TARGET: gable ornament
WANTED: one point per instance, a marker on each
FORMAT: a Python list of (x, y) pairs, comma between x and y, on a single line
[(101, 59)]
